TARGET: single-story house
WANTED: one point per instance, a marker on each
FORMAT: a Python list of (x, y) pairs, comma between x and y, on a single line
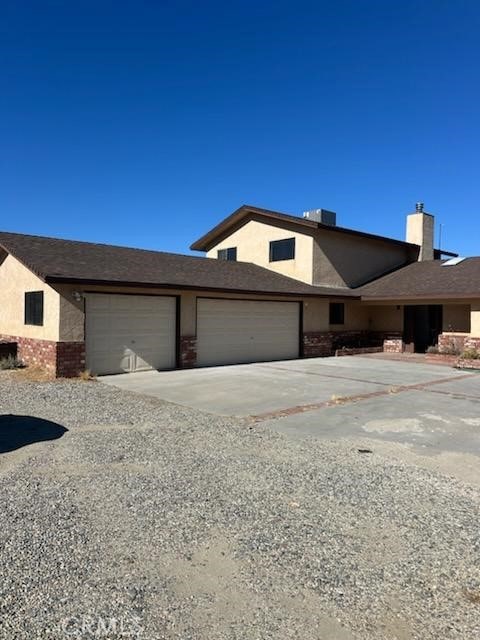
[(272, 286)]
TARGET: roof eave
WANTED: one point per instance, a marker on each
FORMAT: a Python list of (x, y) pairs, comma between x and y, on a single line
[(418, 296), (186, 287)]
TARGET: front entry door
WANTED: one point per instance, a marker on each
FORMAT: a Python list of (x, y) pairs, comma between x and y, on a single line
[(422, 326)]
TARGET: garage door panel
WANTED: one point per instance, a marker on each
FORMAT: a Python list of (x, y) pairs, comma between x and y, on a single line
[(235, 331), (130, 333)]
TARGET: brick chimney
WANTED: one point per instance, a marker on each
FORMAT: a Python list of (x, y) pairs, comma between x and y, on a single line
[(420, 231)]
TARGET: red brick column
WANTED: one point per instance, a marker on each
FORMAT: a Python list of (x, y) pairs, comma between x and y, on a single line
[(70, 360), (188, 352), (317, 344), (393, 344), (450, 344)]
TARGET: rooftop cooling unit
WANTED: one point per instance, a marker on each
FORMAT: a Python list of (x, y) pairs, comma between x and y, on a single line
[(321, 215)]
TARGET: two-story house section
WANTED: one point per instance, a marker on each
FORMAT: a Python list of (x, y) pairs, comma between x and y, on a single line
[(312, 249)]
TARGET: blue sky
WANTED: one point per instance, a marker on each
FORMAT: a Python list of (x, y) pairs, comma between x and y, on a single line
[(145, 123)]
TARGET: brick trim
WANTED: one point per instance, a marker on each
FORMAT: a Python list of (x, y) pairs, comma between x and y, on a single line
[(70, 359), (320, 344), (317, 344), (448, 343), (393, 344), (188, 352), (61, 359)]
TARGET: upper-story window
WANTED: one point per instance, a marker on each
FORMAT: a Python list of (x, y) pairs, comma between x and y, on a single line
[(34, 308), (227, 254), (282, 250)]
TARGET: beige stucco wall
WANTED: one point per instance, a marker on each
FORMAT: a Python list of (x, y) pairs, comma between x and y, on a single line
[(342, 260), (72, 319), (316, 315), (252, 242), (456, 318), (475, 320), (385, 317), (355, 318), (15, 280)]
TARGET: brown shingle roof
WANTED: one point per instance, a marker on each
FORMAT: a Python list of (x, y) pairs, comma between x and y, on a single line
[(429, 279), (55, 260)]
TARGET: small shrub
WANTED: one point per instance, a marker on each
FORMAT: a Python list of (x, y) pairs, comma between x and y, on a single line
[(86, 375), (10, 362), (433, 349), (470, 354)]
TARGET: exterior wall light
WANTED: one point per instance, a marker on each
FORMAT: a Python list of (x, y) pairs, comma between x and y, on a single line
[(77, 296)]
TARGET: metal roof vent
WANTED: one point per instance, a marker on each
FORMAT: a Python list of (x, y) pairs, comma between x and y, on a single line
[(453, 261), (323, 216), (419, 207)]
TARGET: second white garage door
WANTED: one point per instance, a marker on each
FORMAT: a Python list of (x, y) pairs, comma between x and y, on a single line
[(235, 331), (130, 333)]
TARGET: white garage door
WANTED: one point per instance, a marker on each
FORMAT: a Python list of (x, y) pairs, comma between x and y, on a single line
[(234, 331), (130, 333)]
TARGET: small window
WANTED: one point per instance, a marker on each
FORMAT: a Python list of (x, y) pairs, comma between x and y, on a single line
[(337, 313), (34, 308), (227, 254), (282, 250)]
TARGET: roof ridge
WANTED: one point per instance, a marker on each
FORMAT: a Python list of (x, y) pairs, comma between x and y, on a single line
[(244, 209)]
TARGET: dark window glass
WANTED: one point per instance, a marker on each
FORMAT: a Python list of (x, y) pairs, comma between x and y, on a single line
[(282, 250), (337, 313), (227, 254), (34, 308)]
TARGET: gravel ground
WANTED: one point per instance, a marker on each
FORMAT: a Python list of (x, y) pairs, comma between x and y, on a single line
[(147, 520)]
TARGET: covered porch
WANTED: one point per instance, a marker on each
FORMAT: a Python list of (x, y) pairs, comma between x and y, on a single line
[(418, 326)]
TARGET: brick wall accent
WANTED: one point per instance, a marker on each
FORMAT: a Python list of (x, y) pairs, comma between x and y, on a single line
[(70, 361), (471, 342), (393, 345), (38, 353), (448, 342), (8, 349), (463, 363), (188, 352), (319, 344), (62, 359)]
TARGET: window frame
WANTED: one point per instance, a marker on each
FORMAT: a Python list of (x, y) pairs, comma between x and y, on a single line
[(229, 254), (34, 308), (275, 244), (334, 309)]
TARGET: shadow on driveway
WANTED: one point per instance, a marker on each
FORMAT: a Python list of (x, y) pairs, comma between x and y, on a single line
[(18, 431)]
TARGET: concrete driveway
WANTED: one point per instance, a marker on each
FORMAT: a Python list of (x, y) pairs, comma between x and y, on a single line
[(430, 408)]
